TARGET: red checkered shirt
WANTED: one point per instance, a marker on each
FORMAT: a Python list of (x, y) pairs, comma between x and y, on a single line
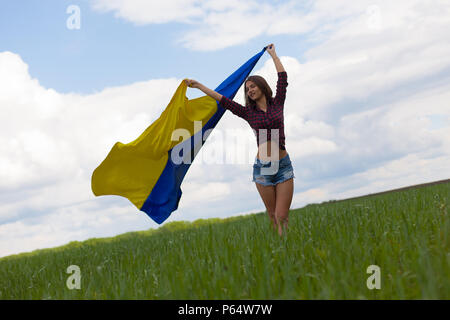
[(258, 119)]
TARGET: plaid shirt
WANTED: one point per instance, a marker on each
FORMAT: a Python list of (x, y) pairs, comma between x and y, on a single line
[(258, 119)]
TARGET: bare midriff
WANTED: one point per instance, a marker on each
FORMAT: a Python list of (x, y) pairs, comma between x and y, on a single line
[(265, 151)]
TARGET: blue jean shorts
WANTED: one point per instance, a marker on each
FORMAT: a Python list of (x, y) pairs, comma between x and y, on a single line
[(269, 173)]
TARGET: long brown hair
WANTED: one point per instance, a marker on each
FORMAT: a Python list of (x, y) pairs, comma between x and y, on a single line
[(262, 84)]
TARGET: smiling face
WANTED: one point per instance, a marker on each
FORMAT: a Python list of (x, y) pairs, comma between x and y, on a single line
[(256, 89), (253, 91)]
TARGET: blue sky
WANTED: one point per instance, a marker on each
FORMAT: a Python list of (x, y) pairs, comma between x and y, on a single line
[(107, 51), (367, 105)]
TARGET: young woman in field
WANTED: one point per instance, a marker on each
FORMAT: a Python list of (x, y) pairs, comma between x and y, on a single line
[(272, 171)]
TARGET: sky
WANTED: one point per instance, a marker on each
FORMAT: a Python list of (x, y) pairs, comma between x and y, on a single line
[(367, 107)]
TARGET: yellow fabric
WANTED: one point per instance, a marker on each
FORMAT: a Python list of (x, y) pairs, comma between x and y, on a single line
[(131, 170)]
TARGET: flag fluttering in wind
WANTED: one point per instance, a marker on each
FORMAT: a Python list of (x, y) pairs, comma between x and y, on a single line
[(146, 171)]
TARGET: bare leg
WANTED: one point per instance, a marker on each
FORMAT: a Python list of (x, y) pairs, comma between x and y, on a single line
[(284, 192), (267, 194)]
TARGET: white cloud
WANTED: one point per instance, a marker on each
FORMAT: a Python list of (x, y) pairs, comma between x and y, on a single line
[(218, 24), (214, 24), (204, 192), (67, 223), (313, 195), (144, 12)]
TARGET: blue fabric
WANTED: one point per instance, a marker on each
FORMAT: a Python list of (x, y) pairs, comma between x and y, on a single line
[(166, 194)]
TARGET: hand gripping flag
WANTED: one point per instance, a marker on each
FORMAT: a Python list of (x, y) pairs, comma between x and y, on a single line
[(144, 170)]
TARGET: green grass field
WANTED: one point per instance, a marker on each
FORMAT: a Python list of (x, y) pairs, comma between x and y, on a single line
[(324, 256)]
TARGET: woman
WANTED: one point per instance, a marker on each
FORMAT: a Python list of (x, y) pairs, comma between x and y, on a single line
[(272, 171)]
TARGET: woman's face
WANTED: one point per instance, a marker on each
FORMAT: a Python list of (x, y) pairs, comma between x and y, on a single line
[(253, 91)]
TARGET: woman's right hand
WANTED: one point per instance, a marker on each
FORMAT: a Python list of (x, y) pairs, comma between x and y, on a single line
[(191, 83)]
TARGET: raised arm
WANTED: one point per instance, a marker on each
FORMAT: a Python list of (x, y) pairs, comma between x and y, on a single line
[(195, 84), (282, 76), (278, 65), (226, 103)]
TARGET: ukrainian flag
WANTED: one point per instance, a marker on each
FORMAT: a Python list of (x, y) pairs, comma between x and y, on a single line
[(143, 171)]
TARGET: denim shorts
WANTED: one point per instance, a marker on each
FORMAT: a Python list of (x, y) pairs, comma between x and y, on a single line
[(269, 173)]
